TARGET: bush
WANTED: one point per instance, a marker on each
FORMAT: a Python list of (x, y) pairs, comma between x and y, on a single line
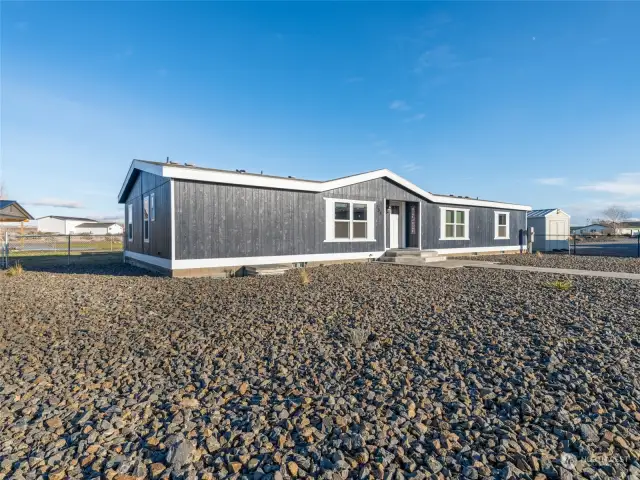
[(560, 285), (305, 278), (15, 271), (358, 336)]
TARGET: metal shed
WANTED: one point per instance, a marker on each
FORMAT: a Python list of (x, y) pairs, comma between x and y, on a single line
[(551, 227)]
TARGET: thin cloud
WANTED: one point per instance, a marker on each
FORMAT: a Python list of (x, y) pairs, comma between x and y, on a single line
[(22, 26), (626, 184), (415, 118), (128, 52), (411, 167), (354, 80), (55, 203), (443, 57), (162, 72), (400, 105), (556, 181)]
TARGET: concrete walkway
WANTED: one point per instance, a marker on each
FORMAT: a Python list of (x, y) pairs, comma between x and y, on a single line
[(562, 271), (521, 268)]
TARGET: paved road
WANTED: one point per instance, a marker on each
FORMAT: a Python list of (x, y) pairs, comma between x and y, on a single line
[(625, 248)]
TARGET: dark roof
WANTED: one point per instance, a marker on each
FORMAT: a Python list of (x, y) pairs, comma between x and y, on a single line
[(541, 213), (61, 217), (96, 225), (12, 217), (634, 223)]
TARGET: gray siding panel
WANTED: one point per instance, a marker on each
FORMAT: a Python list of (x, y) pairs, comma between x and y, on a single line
[(159, 244), (226, 221), (481, 227)]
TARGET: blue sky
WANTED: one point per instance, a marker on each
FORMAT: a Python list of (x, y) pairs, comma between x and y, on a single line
[(535, 103)]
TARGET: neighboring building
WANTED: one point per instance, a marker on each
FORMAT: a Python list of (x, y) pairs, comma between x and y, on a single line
[(185, 218), (12, 211), (60, 224), (630, 228), (99, 228), (593, 229), (551, 229)]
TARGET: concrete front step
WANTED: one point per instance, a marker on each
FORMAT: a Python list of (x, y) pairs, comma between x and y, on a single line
[(411, 260), (411, 253), (259, 270)]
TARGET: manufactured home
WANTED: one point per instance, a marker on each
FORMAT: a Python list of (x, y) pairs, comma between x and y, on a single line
[(185, 220)]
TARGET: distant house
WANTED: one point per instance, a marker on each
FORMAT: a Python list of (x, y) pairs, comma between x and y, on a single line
[(99, 228), (594, 228), (630, 228), (60, 224), (551, 229)]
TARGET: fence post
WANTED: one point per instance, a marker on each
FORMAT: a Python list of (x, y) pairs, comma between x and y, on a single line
[(638, 244), (68, 249), (575, 251)]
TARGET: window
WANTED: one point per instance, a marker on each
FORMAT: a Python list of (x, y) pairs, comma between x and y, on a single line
[(359, 220), (349, 221), (153, 207), (454, 224), (342, 220), (145, 217), (501, 225), (130, 222)]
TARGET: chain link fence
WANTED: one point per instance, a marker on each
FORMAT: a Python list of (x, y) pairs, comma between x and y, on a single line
[(45, 250), (605, 245)]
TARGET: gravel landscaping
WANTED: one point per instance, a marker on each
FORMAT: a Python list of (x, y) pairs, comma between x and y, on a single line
[(351, 371), (579, 262)]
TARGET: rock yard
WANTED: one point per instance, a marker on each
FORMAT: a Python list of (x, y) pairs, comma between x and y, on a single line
[(552, 260), (346, 371)]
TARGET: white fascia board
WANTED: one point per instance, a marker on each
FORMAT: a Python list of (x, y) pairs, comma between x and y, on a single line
[(143, 167), (247, 261), (232, 178), (157, 261)]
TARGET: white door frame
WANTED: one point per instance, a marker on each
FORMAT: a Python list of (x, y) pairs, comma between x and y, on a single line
[(400, 235)]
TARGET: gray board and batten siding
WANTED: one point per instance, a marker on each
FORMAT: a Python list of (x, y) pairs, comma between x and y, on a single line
[(159, 244), (215, 220)]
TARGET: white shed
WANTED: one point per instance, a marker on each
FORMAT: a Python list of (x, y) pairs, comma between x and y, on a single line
[(551, 229)]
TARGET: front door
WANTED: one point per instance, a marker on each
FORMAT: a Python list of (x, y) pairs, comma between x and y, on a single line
[(394, 226)]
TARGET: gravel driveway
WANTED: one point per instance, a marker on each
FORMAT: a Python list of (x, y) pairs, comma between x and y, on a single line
[(603, 264), (464, 373)]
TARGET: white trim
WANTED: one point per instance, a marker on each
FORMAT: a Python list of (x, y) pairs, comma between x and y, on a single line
[(329, 205), (246, 179), (384, 223), (152, 206), (173, 221), (157, 261), (509, 248), (129, 222), (148, 220), (443, 223), (240, 261), (496, 225), (420, 225)]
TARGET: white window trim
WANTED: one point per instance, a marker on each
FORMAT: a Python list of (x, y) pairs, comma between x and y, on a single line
[(495, 223), (148, 220), (330, 219), (443, 223), (152, 206), (130, 222)]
